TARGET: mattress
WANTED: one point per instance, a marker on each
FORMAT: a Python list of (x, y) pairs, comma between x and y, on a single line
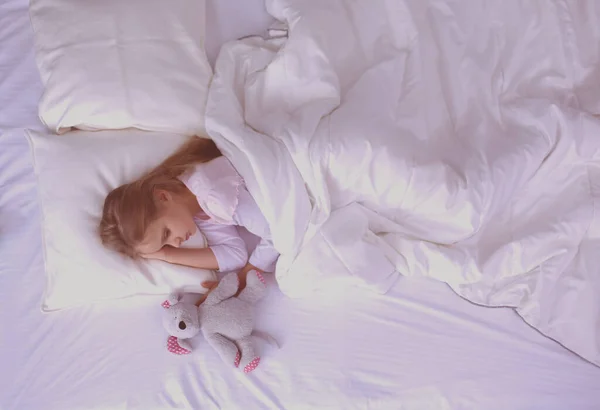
[(418, 347)]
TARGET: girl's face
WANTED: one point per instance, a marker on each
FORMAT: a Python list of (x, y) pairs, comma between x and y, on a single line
[(174, 225)]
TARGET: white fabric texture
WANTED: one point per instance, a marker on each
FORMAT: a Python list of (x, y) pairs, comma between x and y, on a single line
[(216, 185), (75, 172), (417, 347), (454, 140), (223, 197), (116, 64), (248, 215), (226, 243)]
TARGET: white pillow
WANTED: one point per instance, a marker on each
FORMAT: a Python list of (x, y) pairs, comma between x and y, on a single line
[(75, 172), (114, 64)]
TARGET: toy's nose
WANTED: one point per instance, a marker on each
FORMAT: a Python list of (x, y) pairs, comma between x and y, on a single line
[(182, 325)]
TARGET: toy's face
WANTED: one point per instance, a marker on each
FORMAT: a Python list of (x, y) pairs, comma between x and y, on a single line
[(181, 320)]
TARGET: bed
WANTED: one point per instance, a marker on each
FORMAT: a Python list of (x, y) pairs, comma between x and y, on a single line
[(419, 346)]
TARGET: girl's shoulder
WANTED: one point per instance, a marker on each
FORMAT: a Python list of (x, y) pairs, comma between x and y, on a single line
[(211, 172), (216, 185)]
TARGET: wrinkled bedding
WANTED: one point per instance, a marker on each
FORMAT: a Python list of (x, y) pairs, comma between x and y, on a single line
[(417, 347), (447, 139)]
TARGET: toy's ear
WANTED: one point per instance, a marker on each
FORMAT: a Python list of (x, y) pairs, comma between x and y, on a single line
[(178, 346), (171, 300)]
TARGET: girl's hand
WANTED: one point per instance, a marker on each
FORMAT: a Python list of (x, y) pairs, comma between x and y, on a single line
[(248, 268), (243, 274), (210, 285)]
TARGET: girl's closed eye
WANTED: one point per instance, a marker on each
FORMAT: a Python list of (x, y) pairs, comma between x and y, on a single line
[(166, 234)]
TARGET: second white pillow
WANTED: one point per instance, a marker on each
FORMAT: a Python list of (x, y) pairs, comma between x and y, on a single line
[(115, 64), (75, 172)]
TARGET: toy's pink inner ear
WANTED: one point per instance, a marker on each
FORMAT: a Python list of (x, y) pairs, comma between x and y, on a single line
[(174, 347)]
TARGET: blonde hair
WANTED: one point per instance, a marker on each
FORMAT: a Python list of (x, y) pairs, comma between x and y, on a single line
[(131, 208)]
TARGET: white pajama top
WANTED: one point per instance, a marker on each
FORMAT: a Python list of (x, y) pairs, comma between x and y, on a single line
[(226, 203)]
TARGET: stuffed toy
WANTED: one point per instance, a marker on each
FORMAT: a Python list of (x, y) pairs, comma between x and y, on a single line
[(226, 321)]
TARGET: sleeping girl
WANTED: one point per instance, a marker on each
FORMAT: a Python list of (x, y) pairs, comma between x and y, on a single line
[(195, 188)]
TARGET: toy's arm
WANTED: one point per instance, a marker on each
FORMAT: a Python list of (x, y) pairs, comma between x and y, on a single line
[(228, 286), (178, 346), (226, 349)]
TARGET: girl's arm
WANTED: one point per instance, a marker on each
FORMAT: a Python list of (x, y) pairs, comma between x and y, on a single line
[(203, 258), (226, 250), (264, 256), (227, 246)]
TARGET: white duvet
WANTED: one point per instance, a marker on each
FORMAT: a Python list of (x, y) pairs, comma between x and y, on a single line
[(449, 139)]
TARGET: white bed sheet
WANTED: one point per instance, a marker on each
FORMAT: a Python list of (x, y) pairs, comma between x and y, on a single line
[(419, 347)]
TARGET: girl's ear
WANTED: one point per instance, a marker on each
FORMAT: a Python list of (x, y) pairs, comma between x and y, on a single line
[(162, 196)]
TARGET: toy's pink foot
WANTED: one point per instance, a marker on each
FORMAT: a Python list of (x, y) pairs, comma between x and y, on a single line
[(174, 347), (260, 277), (238, 357), (252, 365)]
